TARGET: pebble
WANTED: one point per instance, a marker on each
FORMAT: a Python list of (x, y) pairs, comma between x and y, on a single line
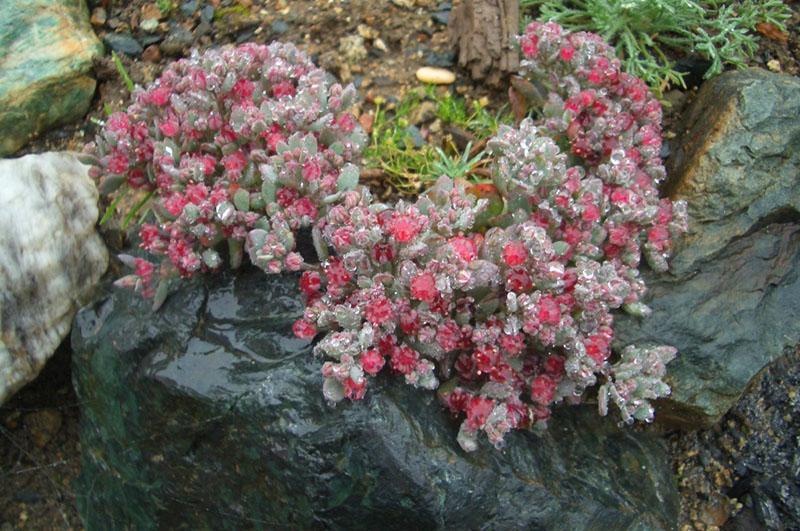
[(416, 136), (188, 8), (425, 112), (408, 4), (123, 43), (441, 17), (366, 120), (204, 28), (147, 40), (352, 48), (279, 27), (380, 45), (99, 16), (367, 32), (151, 11), (149, 24), (435, 76), (441, 60), (178, 39), (207, 13), (151, 54)]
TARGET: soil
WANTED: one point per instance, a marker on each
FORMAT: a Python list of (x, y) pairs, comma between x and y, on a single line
[(378, 46)]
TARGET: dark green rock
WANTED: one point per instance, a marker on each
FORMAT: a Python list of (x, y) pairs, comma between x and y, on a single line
[(124, 43), (209, 415), (731, 301), (728, 319), (46, 52), (738, 162)]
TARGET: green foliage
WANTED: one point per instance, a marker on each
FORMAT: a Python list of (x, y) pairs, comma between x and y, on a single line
[(122, 72), (409, 165), (165, 6), (392, 148), (458, 167), (236, 10), (642, 30)]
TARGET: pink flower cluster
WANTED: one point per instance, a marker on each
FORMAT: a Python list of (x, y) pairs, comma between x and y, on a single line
[(517, 318), (241, 146), (505, 314)]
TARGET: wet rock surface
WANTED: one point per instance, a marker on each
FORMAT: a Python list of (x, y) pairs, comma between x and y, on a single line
[(45, 62), (210, 413), (731, 301)]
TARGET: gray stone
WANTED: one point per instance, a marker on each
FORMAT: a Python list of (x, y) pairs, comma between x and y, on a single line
[(189, 7), (442, 60), (50, 259), (207, 13), (415, 135), (210, 414), (738, 164), (178, 40), (279, 27), (123, 43), (441, 17), (46, 53), (731, 301)]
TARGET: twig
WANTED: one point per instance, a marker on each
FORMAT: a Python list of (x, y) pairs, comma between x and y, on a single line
[(35, 468)]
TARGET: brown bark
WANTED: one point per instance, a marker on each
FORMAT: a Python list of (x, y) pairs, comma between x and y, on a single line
[(484, 32)]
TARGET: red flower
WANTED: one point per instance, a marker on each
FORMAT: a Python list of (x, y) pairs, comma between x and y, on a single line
[(464, 247), (243, 89), (379, 311), (355, 390), (304, 329), (310, 283), (478, 410), (514, 253), (118, 163), (423, 288), (382, 253), (448, 335), (549, 311), (284, 88), (403, 228), (159, 96), (404, 359), (372, 362), (336, 273), (543, 389)]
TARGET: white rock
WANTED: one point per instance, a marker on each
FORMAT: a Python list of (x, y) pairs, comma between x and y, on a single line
[(437, 76), (50, 257)]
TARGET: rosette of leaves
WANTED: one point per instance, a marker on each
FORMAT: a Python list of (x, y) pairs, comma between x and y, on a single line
[(232, 152)]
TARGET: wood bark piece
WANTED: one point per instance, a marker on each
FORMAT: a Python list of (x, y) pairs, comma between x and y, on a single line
[(484, 32)]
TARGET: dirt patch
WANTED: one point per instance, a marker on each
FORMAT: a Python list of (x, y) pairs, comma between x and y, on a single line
[(40, 452)]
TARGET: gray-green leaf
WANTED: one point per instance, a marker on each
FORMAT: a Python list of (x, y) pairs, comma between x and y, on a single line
[(241, 199), (348, 178)]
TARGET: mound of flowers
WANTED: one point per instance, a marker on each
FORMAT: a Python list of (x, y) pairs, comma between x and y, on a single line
[(239, 149), (506, 315)]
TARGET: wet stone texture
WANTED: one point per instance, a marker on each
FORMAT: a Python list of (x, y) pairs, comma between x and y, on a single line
[(46, 53), (209, 414), (731, 300)]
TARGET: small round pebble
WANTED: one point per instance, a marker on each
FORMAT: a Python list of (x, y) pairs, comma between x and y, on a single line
[(436, 76)]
